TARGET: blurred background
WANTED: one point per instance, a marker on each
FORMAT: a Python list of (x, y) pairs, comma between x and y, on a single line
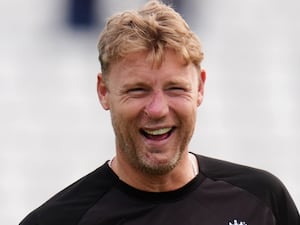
[(53, 130)]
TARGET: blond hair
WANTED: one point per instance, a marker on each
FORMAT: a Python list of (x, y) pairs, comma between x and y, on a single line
[(152, 29)]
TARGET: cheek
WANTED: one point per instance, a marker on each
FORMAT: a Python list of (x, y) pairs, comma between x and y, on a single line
[(130, 110), (124, 116), (184, 107), (187, 115)]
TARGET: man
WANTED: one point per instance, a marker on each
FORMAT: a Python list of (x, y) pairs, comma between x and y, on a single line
[(152, 84)]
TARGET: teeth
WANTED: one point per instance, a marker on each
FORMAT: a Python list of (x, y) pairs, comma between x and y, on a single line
[(158, 131)]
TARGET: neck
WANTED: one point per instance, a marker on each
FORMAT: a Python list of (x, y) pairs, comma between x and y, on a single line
[(183, 173)]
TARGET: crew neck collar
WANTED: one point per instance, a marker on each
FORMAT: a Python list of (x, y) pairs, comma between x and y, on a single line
[(158, 196)]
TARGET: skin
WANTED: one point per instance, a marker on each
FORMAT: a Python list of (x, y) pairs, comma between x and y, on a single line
[(153, 112)]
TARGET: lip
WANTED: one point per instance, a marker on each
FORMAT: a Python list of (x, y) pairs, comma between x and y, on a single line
[(157, 139)]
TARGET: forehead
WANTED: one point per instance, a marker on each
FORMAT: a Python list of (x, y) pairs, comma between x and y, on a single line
[(139, 64)]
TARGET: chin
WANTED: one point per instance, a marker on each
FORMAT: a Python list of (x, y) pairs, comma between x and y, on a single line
[(159, 164)]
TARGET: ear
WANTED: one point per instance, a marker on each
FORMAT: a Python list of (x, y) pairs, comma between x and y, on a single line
[(102, 91), (202, 79)]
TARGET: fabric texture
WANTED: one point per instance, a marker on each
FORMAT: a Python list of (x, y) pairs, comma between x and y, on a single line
[(222, 193)]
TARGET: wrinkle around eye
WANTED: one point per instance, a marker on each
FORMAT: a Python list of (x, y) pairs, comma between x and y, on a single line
[(178, 91), (136, 92)]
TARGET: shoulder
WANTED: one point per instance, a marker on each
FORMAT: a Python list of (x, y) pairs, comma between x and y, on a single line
[(238, 175), (67, 206), (260, 183)]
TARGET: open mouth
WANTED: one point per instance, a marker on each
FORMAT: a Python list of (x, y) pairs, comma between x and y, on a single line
[(158, 134)]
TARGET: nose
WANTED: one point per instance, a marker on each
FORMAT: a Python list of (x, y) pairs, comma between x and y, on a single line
[(157, 106)]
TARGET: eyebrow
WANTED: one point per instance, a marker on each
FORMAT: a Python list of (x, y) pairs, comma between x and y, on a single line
[(179, 81)]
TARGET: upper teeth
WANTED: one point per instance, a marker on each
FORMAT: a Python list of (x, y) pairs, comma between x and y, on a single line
[(158, 131)]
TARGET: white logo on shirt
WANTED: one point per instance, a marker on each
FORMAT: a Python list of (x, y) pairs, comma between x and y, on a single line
[(235, 222)]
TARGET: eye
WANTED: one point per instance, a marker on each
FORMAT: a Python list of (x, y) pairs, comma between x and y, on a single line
[(176, 89), (137, 92)]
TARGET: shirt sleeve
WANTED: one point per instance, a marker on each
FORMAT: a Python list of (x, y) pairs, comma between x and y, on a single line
[(31, 219)]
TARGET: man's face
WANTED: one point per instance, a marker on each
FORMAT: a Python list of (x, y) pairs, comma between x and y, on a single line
[(153, 111)]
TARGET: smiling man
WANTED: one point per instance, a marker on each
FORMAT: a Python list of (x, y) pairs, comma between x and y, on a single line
[(153, 111), (152, 83)]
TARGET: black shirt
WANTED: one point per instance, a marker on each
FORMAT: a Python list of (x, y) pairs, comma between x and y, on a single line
[(222, 193)]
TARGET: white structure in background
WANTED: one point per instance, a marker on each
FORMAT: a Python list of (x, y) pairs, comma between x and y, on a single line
[(53, 131)]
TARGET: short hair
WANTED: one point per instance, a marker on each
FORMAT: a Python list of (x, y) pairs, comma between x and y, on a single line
[(153, 29)]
